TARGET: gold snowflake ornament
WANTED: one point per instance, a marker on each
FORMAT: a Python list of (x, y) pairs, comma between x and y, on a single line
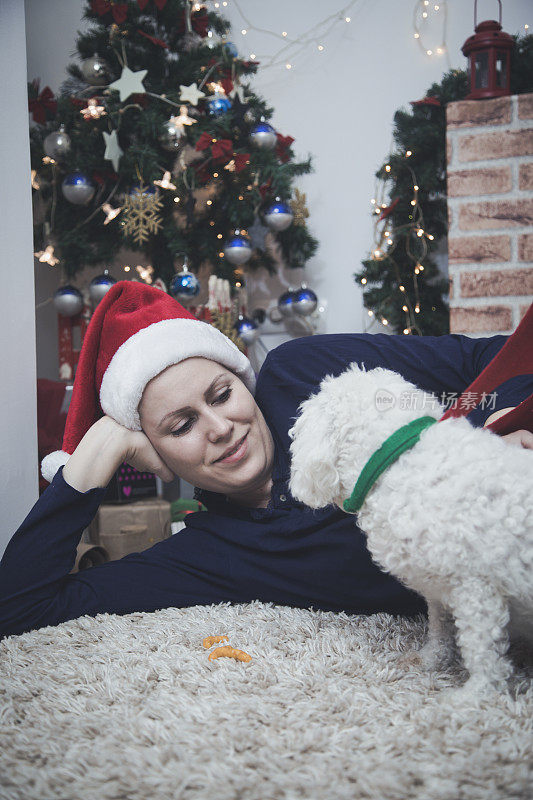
[(140, 214), (299, 208)]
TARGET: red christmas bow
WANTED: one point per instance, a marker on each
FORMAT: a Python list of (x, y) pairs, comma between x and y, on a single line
[(199, 22), (241, 161), (284, 142), (152, 39), (222, 149), (205, 141), (39, 105), (426, 101), (227, 84), (119, 10)]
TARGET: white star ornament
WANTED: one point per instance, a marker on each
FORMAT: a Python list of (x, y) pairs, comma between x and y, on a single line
[(129, 83)]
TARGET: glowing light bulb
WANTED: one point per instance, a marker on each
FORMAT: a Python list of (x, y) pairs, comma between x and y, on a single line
[(401, 288), (377, 253), (215, 174), (425, 14), (429, 52), (387, 167), (420, 232), (406, 330), (176, 199), (212, 223), (386, 233), (127, 269), (421, 267), (430, 237), (416, 35), (219, 236), (284, 33), (385, 321), (349, 19), (370, 313), (413, 202), (165, 182), (417, 309), (389, 241), (110, 212), (363, 280), (373, 201), (221, 255), (409, 153), (404, 308), (320, 47), (288, 66), (209, 203), (415, 188), (244, 31)]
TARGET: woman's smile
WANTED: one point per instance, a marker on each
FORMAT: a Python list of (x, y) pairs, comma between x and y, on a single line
[(236, 453)]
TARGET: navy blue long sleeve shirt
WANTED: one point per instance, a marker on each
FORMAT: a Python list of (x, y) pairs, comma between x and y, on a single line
[(286, 553)]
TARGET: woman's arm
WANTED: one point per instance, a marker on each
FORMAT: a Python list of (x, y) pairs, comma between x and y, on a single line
[(36, 588)]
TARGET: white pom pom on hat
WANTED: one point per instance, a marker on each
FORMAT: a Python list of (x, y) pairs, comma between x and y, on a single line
[(135, 333)]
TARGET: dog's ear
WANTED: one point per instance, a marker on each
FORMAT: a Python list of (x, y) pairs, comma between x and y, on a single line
[(315, 479)]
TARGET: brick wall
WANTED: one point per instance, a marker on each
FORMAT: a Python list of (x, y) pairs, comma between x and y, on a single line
[(490, 213)]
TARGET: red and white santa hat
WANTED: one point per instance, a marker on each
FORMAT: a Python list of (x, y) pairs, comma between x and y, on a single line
[(135, 333)]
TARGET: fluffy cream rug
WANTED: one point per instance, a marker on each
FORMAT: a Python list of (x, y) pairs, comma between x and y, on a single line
[(130, 707)]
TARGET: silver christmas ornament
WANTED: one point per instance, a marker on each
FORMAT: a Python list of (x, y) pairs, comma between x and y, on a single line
[(99, 286), (171, 135), (94, 71), (278, 216), (238, 250), (286, 303), (305, 301), (184, 286), (247, 329), (78, 189), (68, 301), (263, 135), (57, 144)]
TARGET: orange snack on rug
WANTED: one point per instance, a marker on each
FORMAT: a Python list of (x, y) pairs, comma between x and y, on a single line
[(229, 652), (209, 641)]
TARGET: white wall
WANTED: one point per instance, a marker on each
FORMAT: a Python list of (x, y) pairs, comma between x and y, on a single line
[(18, 421), (338, 104)]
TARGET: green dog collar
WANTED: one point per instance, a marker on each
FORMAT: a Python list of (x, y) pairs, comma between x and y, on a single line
[(391, 449)]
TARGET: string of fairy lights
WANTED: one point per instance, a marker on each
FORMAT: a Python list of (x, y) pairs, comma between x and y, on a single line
[(386, 238)]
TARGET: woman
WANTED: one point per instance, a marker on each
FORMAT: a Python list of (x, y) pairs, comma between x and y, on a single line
[(166, 393)]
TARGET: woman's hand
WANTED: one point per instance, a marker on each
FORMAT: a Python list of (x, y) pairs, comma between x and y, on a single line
[(101, 451), (519, 439)]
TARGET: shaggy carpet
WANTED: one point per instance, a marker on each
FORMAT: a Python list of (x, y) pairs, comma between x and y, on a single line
[(328, 708)]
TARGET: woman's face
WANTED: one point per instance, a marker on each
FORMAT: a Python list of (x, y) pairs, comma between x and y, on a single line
[(195, 412)]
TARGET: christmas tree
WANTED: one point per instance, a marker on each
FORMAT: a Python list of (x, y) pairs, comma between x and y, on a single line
[(402, 285), (158, 143)]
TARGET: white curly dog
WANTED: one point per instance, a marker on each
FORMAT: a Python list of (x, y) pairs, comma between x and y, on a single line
[(451, 518)]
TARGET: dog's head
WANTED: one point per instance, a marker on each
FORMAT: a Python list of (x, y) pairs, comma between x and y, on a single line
[(339, 428)]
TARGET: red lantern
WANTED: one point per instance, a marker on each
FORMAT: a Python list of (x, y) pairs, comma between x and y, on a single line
[(489, 59)]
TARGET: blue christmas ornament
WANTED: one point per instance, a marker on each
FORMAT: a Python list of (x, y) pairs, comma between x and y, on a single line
[(68, 301), (238, 249), (305, 301), (247, 329), (278, 216), (286, 303), (99, 286), (219, 104), (263, 135), (184, 285), (230, 48), (78, 189)]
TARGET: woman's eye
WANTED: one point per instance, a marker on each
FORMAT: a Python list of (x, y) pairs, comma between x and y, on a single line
[(184, 428), (223, 397)]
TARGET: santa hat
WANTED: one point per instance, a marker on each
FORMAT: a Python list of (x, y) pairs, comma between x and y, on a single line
[(135, 333)]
